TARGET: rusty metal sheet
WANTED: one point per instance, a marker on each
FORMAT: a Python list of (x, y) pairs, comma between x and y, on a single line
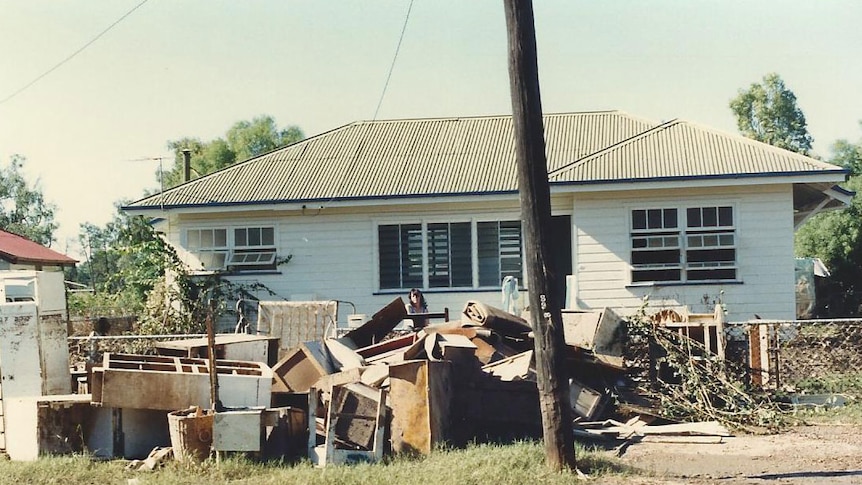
[(380, 325), (420, 393)]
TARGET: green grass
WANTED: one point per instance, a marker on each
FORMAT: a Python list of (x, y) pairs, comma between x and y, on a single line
[(516, 464), (850, 414)]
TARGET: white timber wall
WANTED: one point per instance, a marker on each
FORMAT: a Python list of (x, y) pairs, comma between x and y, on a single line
[(334, 254), (764, 232)]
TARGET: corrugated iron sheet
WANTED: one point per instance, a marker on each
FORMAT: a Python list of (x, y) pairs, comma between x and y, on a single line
[(679, 149), (403, 158)]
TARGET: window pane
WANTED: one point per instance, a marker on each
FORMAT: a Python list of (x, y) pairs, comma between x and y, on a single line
[(663, 257), (411, 255), (693, 217), (207, 238), (267, 237), (654, 219), (194, 239), (714, 257), (240, 237), (438, 255), (639, 219), (254, 236), (389, 257), (711, 274), (710, 217), (488, 253), (656, 275), (510, 250), (461, 254), (725, 216), (220, 238), (670, 219)]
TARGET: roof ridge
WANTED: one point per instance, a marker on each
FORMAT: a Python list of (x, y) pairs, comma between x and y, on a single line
[(485, 117), (661, 126), (722, 133), (751, 141)]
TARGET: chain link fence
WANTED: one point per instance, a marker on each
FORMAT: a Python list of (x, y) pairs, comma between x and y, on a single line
[(800, 356)]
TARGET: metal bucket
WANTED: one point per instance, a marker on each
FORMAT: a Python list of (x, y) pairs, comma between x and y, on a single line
[(191, 433)]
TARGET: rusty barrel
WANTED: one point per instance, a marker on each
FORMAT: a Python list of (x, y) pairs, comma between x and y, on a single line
[(191, 433)]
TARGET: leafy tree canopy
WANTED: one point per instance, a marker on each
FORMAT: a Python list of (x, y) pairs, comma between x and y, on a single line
[(836, 238), (768, 112), (848, 155), (244, 140), (23, 209)]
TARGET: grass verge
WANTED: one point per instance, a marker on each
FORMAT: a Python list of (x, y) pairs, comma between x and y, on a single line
[(480, 464)]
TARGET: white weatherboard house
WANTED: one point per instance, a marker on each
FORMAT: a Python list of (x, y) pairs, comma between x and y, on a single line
[(676, 212)]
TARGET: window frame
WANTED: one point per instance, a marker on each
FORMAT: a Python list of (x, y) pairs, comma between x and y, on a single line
[(461, 271), (258, 253), (714, 260)]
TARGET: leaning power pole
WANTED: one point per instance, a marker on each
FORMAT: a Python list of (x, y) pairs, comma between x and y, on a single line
[(546, 318)]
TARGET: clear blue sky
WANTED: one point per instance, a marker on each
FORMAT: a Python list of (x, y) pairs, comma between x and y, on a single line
[(194, 67)]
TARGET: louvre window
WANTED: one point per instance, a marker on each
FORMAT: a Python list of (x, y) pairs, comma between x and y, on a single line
[(444, 253)]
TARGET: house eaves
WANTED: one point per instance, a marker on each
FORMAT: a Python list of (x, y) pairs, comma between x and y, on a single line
[(424, 159), (374, 160), (20, 250)]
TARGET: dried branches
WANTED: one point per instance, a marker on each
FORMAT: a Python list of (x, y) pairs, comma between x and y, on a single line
[(689, 383)]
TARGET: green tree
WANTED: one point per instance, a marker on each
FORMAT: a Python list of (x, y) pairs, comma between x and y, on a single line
[(124, 261), (836, 238), (23, 209), (244, 140), (848, 155), (768, 112)]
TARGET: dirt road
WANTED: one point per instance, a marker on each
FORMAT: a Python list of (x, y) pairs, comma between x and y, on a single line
[(807, 455)]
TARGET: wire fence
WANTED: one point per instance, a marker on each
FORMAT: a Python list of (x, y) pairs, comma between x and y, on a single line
[(794, 356), (800, 356), (88, 350)]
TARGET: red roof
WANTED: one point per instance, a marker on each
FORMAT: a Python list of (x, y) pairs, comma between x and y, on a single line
[(20, 250)]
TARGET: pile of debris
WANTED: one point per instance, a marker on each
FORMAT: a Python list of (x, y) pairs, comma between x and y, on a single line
[(374, 390), (466, 380)]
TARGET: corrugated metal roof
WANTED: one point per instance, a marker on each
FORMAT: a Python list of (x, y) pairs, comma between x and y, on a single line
[(20, 250), (408, 158), (680, 149)]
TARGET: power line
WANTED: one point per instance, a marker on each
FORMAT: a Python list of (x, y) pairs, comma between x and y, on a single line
[(367, 125), (394, 58), (69, 58)]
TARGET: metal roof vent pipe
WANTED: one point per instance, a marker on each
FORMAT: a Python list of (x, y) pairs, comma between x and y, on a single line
[(187, 164)]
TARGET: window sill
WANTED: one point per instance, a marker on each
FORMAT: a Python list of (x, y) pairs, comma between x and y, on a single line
[(235, 272), (653, 284), (427, 291)]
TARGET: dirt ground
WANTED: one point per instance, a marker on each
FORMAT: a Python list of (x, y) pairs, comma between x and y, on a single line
[(807, 455)]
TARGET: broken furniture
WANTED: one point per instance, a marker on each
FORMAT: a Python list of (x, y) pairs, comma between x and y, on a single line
[(354, 427), (597, 331), (705, 328), (420, 320), (45, 425), (421, 394), (171, 383), (228, 346), (301, 367), (295, 322), (34, 350)]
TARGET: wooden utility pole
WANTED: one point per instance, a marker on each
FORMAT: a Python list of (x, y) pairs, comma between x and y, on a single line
[(546, 318)]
